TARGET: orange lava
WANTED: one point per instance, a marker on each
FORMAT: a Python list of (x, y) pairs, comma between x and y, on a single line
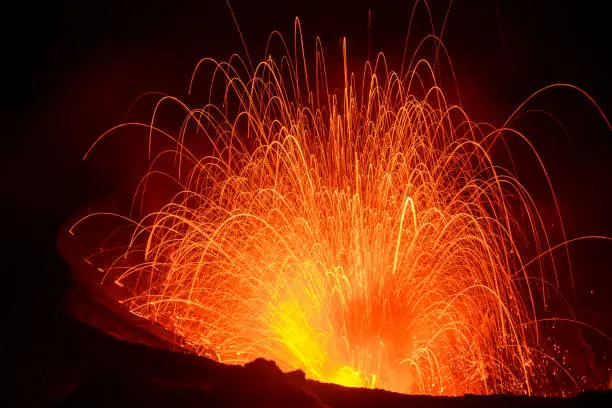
[(364, 235)]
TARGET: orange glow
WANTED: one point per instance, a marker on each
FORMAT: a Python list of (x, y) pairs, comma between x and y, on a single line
[(365, 236)]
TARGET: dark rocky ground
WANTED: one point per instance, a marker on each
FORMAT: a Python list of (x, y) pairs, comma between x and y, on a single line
[(80, 366)]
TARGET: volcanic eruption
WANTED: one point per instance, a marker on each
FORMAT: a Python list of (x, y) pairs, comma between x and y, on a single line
[(361, 232)]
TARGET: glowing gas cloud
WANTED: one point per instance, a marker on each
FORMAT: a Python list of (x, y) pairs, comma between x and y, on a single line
[(363, 234)]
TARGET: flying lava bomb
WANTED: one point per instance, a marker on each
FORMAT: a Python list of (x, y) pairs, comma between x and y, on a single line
[(363, 233)]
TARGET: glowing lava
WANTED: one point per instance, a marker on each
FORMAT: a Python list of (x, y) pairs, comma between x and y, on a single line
[(364, 235)]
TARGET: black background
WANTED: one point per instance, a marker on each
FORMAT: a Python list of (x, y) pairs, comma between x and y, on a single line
[(71, 69)]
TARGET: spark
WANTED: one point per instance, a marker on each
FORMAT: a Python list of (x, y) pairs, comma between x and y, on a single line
[(365, 236)]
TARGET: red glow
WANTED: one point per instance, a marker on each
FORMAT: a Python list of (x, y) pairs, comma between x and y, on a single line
[(365, 236)]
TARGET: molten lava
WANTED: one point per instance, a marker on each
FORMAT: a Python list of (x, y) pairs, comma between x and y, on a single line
[(365, 236)]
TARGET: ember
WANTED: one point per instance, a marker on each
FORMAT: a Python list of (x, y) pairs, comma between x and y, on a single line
[(365, 236)]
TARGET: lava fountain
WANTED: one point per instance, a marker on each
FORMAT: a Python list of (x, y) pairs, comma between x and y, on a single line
[(362, 234)]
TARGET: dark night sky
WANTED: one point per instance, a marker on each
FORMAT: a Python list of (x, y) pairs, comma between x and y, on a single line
[(72, 68)]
